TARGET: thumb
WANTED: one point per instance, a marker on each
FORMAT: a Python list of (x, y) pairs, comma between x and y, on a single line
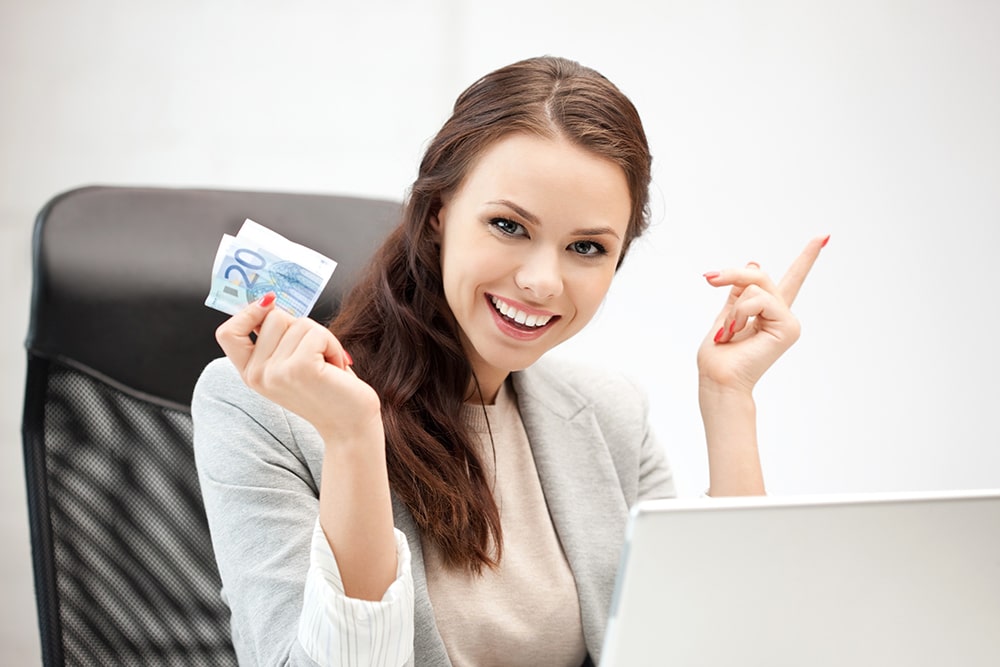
[(233, 335)]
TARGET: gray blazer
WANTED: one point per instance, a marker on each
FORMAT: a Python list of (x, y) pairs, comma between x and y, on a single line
[(260, 466)]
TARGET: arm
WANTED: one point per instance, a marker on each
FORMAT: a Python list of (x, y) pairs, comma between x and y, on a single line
[(730, 419), (260, 469), (753, 330), (355, 511), (299, 365), (257, 466)]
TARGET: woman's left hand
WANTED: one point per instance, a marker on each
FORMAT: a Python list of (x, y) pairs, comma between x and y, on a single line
[(756, 325)]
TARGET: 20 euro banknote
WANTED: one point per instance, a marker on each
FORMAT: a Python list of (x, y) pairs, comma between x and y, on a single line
[(259, 260)]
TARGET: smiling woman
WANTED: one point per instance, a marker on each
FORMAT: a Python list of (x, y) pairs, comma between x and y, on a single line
[(529, 245), (414, 485)]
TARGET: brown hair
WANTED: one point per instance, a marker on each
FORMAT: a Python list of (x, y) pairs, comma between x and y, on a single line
[(398, 326)]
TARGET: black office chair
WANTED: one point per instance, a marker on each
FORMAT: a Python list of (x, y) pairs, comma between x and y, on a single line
[(124, 569)]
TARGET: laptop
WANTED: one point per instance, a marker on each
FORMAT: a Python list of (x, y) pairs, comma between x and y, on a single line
[(888, 579)]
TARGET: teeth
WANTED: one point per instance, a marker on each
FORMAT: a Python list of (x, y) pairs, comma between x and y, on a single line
[(520, 316)]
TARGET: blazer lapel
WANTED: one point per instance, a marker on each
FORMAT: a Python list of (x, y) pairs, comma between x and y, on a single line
[(584, 498), (581, 488)]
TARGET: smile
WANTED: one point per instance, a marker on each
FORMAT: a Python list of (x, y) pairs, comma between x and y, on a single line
[(514, 314), (518, 321)]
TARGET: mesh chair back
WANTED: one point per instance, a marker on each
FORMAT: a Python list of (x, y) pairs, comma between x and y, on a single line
[(124, 569)]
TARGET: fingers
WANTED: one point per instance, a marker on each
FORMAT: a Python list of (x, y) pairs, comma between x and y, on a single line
[(233, 335), (740, 279), (789, 285), (270, 333), (280, 338), (754, 294), (764, 312), (792, 281), (308, 336)]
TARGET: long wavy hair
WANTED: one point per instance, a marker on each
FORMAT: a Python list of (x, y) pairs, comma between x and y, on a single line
[(398, 326)]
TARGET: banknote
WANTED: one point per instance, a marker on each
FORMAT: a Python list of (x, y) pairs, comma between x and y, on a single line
[(258, 260)]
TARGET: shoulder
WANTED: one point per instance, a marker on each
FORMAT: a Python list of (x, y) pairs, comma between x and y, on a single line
[(220, 375), (238, 433), (570, 408), (568, 387), (220, 383), (223, 405)]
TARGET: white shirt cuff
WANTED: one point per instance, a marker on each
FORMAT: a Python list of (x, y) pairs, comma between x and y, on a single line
[(336, 630)]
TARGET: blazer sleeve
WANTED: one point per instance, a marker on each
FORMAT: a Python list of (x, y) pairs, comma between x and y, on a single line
[(656, 477), (622, 407), (279, 577)]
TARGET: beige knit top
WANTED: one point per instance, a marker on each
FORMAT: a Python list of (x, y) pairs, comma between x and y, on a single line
[(526, 612)]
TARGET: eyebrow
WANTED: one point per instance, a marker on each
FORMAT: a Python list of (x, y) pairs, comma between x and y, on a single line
[(533, 219)]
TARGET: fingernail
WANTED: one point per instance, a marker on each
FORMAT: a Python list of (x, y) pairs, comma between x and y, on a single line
[(732, 327), (350, 360), (753, 265), (718, 334), (825, 241), (711, 275), (267, 299)]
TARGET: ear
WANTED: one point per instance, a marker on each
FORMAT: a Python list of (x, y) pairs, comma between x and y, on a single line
[(436, 225)]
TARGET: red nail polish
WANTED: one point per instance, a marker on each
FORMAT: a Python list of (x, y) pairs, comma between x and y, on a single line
[(267, 299), (350, 360), (711, 275), (732, 327), (825, 241), (718, 334)]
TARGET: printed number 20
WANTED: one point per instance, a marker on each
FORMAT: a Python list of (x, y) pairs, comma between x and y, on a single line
[(241, 256)]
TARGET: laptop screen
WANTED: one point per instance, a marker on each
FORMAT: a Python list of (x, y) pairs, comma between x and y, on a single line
[(901, 579)]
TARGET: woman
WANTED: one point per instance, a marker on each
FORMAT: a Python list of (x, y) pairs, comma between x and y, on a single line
[(409, 486)]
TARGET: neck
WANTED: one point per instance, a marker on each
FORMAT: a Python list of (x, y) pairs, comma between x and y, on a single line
[(483, 388)]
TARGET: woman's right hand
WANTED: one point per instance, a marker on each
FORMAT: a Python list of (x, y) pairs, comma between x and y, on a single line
[(300, 365)]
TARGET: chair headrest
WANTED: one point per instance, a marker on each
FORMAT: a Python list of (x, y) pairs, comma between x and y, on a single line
[(121, 274)]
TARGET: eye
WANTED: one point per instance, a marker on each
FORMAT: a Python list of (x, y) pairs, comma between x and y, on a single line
[(588, 248), (508, 227)]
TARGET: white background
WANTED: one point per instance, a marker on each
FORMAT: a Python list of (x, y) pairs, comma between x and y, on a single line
[(875, 121)]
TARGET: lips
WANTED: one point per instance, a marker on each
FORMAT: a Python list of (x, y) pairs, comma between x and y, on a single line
[(520, 322), (518, 316)]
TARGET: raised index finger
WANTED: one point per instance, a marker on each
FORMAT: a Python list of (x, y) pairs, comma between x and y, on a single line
[(791, 282)]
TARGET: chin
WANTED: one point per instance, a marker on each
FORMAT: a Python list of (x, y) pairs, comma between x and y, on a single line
[(513, 362)]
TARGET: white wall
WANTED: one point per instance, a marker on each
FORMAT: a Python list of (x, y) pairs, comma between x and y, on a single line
[(874, 121)]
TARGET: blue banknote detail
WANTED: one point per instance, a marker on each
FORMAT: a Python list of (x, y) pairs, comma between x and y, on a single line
[(246, 274)]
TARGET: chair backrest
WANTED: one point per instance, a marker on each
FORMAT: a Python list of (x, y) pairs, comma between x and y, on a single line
[(124, 569)]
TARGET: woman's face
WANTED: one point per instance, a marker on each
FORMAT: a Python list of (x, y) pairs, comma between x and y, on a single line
[(529, 245)]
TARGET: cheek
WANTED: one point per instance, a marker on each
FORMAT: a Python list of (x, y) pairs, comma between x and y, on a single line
[(590, 292), (478, 265), (587, 300), (464, 274)]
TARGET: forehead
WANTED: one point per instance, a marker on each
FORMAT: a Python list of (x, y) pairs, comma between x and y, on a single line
[(553, 178)]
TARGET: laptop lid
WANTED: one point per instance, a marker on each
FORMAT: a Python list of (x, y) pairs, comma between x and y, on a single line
[(901, 579)]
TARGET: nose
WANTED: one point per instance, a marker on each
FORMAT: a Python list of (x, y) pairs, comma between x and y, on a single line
[(540, 274)]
